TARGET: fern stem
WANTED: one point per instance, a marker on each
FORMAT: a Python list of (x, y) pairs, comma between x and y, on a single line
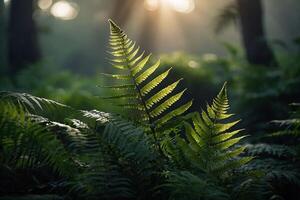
[(142, 100)]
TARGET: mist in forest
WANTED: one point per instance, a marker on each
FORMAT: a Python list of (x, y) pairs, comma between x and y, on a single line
[(78, 42)]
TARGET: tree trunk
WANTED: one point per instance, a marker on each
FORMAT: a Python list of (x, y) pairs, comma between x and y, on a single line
[(257, 49), (23, 45), (3, 54)]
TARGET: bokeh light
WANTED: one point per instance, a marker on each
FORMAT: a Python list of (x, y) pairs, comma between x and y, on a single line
[(64, 10), (151, 5), (44, 4), (6, 2), (193, 64), (182, 6)]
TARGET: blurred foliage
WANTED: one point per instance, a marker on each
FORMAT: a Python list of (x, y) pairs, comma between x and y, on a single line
[(267, 90), (249, 85), (73, 89)]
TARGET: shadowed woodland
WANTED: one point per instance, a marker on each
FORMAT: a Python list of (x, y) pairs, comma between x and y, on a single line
[(149, 99)]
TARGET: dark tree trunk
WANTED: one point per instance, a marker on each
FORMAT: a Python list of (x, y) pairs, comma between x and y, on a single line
[(258, 51), (23, 42), (3, 54)]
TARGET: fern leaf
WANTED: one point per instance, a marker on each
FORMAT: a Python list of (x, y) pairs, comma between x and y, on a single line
[(161, 94), (155, 82), (122, 96), (166, 104), (147, 73), (174, 113), (140, 65), (210, 141), (120, 87), (145, 78), (137, 59)]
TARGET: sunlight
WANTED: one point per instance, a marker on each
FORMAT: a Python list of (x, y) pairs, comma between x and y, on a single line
[(6, 2), (151, 5), (64, 10), (44, 4), (183, 6)]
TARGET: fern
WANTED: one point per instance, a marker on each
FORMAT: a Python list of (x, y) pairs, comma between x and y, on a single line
[(185, 185), (31, 156), (33, 197), (40, 106), (210, 143), (26, 144), (150, 107), (121, 164), (277, 160), (277, 151)]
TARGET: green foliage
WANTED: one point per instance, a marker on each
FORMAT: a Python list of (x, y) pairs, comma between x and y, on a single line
[(121, 165), (33, 197), (279, 157), (148, 106), (185, 185), (27, 148), (209, 141)]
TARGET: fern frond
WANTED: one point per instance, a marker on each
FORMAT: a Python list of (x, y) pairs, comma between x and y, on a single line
[(120, 165), (145, 78), (174, 113), (25, 144), (161, 94), (141, 78), (36, 105), (184, 185), (166, 104), (120, 87), (210, 142), (136, 69)]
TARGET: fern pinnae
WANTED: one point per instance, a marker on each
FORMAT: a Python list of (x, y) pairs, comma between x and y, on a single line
[(136, 69), (161, 94), (137, 59), (166, 104), (121, 96), (141, 78), (174, 113), (211, 143), (144, 80), (119, 87), (155, 82)]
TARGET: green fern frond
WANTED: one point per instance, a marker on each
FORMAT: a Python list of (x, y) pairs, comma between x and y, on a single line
[(210, 142), (184, 185), (121, 164), (174, 113), (25, 144), (144, 79), (47, 108), (273, 150)]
